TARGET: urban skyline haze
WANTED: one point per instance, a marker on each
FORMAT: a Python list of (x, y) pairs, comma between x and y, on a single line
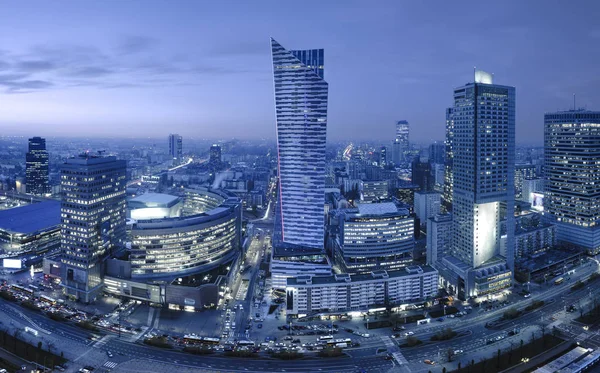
[(204, 70)]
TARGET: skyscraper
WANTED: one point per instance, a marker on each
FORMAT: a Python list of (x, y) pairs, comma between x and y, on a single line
[(437, 152), (92, 220), (483, 147), (215, 155), (484, 166), (383, 160), (572, 190), (36, 167), (176, 147), (401, 142), (448, 162), (301, 113)]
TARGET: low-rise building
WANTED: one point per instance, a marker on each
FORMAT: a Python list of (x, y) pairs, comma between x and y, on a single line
[(374, 191), (289, 261), (439, 236), (343, 292)]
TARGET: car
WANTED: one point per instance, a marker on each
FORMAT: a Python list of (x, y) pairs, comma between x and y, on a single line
[(388, 357), (257, 314), (398, 328), (430, 362), (458, 352), (110, 354), (526, 295), (409, 334), (440, 319), (259, 326)]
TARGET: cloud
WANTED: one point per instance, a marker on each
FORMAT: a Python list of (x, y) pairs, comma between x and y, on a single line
[(88, 71), (35, 65), (136, 44)]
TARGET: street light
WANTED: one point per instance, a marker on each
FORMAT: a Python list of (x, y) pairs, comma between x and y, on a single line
[(367, 323)]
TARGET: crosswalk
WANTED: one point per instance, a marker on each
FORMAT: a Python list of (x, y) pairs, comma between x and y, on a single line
[(394, 350), (104, 340), (110, 364)]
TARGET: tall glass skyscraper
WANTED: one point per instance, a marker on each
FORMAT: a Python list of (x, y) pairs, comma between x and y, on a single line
[(483, 169), (401, 143), (36, 167), (301, 111), (572, 191), (93, 212), (176, 148)]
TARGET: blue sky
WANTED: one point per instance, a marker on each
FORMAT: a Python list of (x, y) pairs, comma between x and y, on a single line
[(203, 69)]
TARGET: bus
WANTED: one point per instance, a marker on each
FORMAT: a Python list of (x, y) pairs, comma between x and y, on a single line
[(194, 339), (47, 299), (336, 342), (34, 288), (559, 281), (21, 289), (210, 340), (245, 343), (325, 338)]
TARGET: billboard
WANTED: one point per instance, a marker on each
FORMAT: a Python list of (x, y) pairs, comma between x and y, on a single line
[(537, 201), (12, 263)]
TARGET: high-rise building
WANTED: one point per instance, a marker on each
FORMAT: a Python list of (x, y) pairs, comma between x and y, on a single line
[(36, 167), (93, 212), (215, 154), (437, 153), (301, 111), (176, 147), (401, 143), (383, 161), (572, 172), (523, 172), (439, 237), (483, 193), (427, 205), (421, 175), (448, 162)]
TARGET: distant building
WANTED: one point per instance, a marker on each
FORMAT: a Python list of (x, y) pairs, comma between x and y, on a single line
[(383, 159), (437, 152), (215, 155), (422, 176), (374, 236), (374, 191), (343, 292), (401, 144), (572, 197), (36, 167), (427, 205), (301, 105), (533, 189), (176, 148), (93, 211), (523, 172)]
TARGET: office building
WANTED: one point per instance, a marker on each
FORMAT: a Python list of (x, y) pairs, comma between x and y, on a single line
[(301, 112), (373, 236), (422, 175), (437, 153), (439, 237), (176, 148), (93, 213), (374, 191), (483, 186), (572, 197), (533, 235), (523, 172), (36, 167), (427, 205), (533, 193), (402, 138), (383, 160), (448, 162), (376, 290), (289, 262), (215, 155)]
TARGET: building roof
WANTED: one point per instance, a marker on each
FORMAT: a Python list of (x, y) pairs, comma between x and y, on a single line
[(154, 199), (31, 218), (375, 275), (377, 208)]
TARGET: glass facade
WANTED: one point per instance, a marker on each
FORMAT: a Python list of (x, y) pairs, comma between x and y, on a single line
[(301, 112), (36, 167)]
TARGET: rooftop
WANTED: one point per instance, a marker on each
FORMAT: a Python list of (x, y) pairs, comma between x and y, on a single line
[(154, 199), (31, 218), (377, 208), (375, 275)]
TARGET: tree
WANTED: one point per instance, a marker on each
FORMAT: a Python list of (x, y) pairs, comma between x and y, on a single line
[(498, 359), (521, 349)]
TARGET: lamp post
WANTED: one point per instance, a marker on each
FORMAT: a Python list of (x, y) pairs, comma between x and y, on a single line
[(367, 323)]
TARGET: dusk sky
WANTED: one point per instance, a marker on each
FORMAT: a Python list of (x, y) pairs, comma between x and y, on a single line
[(203, 68)]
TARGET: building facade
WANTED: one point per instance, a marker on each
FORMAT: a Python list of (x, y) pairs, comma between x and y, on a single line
[(93, 213), (301, 112), (374, 236), (439, 237), (36, 167), (483, 186), (572, 190), (449, 161), (176, 148), (289, 262), (427, 205), (308, 295), (523, 172), (401, 144), (374, 191), (215, 155)]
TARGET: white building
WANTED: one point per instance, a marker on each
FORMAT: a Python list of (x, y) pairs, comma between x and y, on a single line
[(344, 292), (292, 262), (427, 205), (439, 236)]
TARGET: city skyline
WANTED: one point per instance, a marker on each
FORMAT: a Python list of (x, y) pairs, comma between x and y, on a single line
[(93, 82)]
